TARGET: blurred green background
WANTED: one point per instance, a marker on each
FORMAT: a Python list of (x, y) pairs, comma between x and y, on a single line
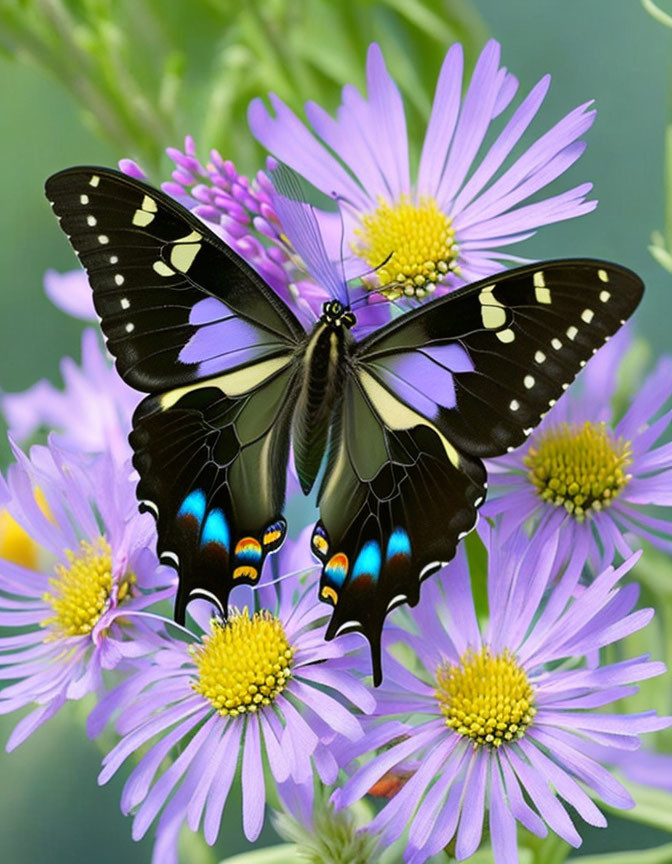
[(607, 50)]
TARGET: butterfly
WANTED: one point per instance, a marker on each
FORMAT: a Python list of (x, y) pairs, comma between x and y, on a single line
[(404, 415)]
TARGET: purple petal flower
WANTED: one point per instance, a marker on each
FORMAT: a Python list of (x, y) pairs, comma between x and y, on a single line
[(92, 414), (71, 292), (450, 226), (490, 711), (264, 684), (601, 477), (94, 565)]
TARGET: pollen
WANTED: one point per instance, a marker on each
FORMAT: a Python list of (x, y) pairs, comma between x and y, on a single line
[(243, 664), (486, 697), (580, 468), (414, 243), (81, 592)]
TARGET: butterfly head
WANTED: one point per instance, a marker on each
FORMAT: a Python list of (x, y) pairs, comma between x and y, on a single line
[(335, 314)]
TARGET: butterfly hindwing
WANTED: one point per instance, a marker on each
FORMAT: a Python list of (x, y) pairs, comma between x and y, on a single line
[(396, 499), (176, 303), (212, 461)]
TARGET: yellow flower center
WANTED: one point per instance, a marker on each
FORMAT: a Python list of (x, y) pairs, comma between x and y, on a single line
[(580, 468), (16, 544), (486, 697), (416, 242), (244, 663), (81, 592)]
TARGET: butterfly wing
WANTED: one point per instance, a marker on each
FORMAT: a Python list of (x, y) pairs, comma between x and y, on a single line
[(212, 459), (465, 377), (189, 322), (396, 499), (176, 303)]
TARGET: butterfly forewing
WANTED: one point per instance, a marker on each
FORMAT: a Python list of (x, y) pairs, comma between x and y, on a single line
[(176, 303), (487, 362)]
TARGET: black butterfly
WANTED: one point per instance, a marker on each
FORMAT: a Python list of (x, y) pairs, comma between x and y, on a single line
[(405, 415)]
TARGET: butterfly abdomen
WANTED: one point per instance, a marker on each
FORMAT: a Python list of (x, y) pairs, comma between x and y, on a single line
[(320, 390)]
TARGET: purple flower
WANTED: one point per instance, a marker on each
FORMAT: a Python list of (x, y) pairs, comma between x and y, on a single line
[(71, 293), (91, 415), (263, 683), (95, 566), (591, 472), (504, 711), (450, 226)]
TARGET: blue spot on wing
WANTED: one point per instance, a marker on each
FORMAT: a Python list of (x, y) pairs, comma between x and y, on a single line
[(368, 561), (193, 505), (398, 544), (216, 529)]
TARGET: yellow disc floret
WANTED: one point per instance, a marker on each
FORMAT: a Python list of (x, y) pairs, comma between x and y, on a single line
[(80, 592), (244, 663), (416, 242), (486, 697), (580, 468)]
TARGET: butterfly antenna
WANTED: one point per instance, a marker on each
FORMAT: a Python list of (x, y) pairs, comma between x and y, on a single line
[(341, 199)]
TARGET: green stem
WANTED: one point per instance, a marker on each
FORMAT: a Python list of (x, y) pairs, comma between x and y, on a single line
[(658, 14)]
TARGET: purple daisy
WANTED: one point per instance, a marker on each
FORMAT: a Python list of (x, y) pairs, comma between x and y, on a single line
[(91, 414), (505, 709), (264, 682), (451, 224), (95, 567), (599, 476)]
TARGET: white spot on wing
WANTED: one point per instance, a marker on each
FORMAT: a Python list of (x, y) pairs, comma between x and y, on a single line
[(604, 296), (348, 625), (103, 239), (83, 199), (396, 601), (603, 275), (506, 335), (118, 279), (539, 356), (162, 269), (169, 558), (125, 303), (94, 181), (514, 404), (541, 292), (528, 381), (91, 221), (150, 505), (130, 327), (587, 315), (141, 218), (556, 343), (572, 332)]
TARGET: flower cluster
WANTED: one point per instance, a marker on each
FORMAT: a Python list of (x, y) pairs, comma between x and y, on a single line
[(493, 709)]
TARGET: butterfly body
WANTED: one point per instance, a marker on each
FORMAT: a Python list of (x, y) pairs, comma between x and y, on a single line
[(404, 415), (323, 361)]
